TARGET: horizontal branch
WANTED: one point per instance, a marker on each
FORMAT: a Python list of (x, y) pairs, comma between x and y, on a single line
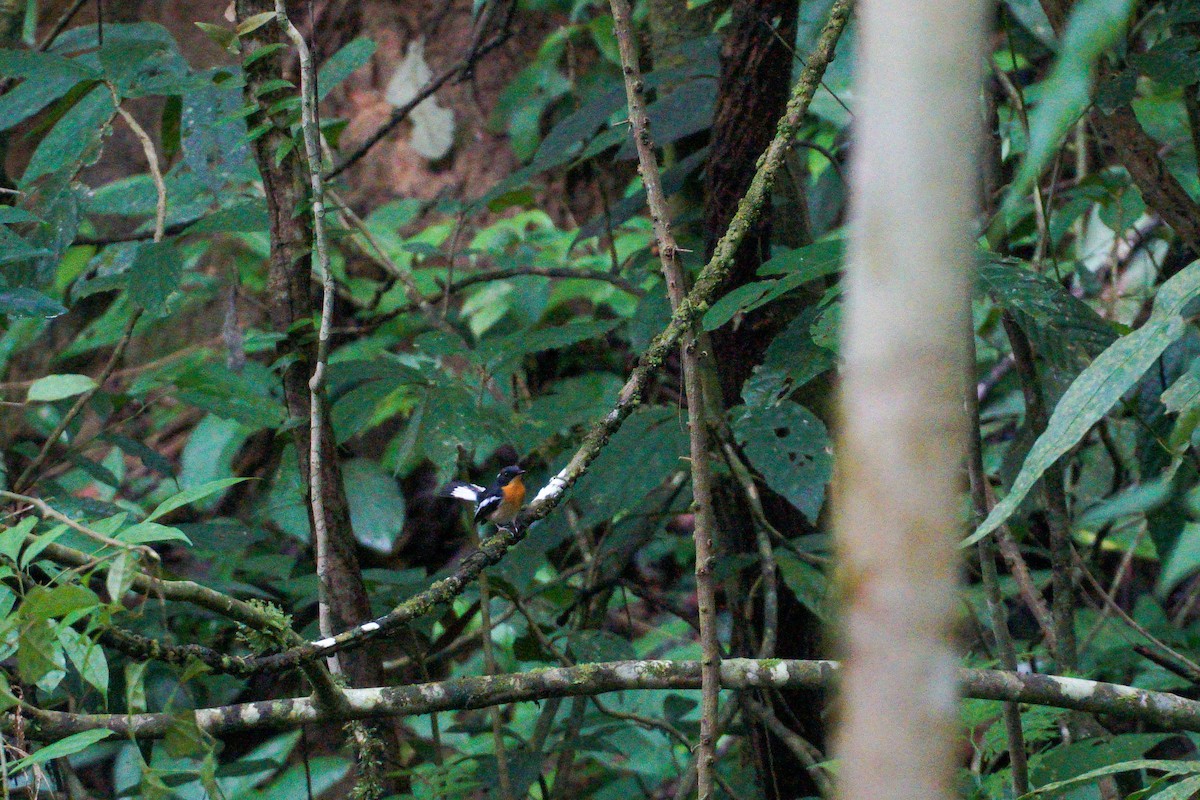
[(686, 313), (1159, 710)]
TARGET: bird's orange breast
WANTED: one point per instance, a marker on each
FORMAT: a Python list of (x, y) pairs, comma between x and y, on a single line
[(514, 492)]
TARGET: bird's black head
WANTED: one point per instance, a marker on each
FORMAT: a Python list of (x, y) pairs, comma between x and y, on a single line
[(507, 475)]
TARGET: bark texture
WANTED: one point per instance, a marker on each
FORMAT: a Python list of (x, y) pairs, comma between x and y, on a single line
[(903, 438)]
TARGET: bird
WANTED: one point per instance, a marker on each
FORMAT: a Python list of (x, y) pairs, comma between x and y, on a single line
[(498, 503)]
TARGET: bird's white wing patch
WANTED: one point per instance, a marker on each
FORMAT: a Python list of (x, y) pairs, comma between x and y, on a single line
[(487, 506), (466, 491)]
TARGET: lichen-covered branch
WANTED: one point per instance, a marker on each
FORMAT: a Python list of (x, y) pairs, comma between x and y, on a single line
[(689, 311), (1156, 710)]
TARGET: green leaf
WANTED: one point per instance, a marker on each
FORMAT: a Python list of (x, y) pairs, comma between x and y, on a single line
[(342, 63), (41, 543), (12, 539), (86, 656), (797, 267), (253, 23), (1172, 767), (1184, 790), (68, 746), (223, 37), (120, 575), (791, 361), (38, 651), (42, 602), (790, 448), (1063, 329), (1097, 389), (46, 78), (808, 583), (76, 137), (14, 248), (192, 495), (24, 302), (58, 387), (148, 532), (376, 504), (1093, 27), (155, 272)]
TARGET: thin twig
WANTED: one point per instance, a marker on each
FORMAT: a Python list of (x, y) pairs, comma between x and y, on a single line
[(804, 751), (49, 512), (705, 520), (160, 186), (1006, 650), (1187, 663), (1062, 602), (320, 258), (159, 222), (460, 70), (377, 254), (25, 480)]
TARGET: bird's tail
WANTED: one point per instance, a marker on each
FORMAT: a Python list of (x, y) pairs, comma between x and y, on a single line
[(461, 490)]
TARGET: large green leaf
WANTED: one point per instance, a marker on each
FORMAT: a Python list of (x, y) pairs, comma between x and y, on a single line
[(46, 77), (1063, 329), (58, 387), (1171, 767), (790, 448), (1094, 26), (25, 302), (341, 64), (1097, 389), (154, 274), (376, 504), (75, 138), (67, 746), (797, 267)]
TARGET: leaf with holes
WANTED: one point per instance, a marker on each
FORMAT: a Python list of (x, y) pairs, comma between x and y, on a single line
[(790, 448)]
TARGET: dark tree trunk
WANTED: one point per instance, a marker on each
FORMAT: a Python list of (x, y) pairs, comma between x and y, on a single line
[(755, 82), (292, 305)]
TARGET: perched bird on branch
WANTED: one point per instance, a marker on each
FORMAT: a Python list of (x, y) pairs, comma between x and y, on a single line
[(498, 503)]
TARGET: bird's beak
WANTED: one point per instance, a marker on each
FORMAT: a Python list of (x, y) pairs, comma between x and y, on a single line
[(520, 471)]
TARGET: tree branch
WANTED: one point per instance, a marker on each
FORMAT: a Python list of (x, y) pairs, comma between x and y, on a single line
[(690, 309), (704, 525), (1158, 710)]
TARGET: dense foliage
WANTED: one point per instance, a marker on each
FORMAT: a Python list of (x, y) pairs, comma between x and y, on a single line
[(154, 445)]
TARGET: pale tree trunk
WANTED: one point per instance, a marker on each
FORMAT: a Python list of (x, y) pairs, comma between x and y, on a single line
[(899, 501)]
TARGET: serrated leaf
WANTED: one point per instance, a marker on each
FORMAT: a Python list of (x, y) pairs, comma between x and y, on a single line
[(58, 387), (790, 448), (1097, 389)]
